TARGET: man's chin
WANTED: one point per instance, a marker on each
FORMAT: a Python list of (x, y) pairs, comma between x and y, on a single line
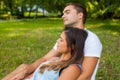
[(67, 24)]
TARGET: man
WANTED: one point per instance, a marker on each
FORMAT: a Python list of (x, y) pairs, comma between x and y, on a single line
[(73, 15)]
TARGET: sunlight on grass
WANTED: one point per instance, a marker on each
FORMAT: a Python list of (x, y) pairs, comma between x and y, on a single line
[(92, 25), (112, 32), (12, 35)]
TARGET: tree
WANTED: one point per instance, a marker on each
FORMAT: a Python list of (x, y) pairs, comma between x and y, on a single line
[(103, 8), (10, 5), (22, 5)]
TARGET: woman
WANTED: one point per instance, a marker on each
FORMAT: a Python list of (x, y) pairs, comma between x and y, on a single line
[(68, 66)]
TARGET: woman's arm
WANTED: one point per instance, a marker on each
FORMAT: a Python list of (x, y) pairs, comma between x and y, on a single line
[(70, 73)]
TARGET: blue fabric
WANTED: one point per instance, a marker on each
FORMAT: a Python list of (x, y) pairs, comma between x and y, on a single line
[(80, 66), (47, 74)]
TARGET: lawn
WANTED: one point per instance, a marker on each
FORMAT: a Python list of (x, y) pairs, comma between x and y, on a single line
[(24, 41)]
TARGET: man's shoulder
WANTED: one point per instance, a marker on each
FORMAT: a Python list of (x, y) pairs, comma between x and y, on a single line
[(92, 39), (93, 46), (92, 35)]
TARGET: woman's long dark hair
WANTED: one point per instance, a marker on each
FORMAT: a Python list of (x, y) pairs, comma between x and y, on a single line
[(75, 41)]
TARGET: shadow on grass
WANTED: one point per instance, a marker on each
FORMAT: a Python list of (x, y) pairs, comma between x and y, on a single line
[(112, 26)]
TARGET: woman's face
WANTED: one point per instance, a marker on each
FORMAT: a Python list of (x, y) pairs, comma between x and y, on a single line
[(62, 44)]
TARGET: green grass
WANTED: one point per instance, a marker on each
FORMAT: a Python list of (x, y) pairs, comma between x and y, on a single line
[(26, 40)]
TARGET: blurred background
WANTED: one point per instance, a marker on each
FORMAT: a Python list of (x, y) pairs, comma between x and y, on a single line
[(17, 9)]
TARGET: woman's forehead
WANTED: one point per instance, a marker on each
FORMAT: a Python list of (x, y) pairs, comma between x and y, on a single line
[(63, 35)]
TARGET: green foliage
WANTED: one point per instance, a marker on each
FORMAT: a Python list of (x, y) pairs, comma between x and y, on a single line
[(26, 40), (103, 9)]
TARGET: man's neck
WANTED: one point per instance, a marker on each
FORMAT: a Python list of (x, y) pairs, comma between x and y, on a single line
[(80, 25)]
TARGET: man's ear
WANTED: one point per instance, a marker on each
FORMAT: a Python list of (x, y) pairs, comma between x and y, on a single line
[(80, 15)]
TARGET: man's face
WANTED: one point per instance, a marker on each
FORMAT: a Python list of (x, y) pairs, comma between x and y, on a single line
[(70, 16)]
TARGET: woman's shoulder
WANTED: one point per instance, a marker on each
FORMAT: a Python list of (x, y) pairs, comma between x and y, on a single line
[(73, 71), (74, 67)]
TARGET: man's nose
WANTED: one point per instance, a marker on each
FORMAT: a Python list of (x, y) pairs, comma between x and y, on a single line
[(63, 16), (58, 41)]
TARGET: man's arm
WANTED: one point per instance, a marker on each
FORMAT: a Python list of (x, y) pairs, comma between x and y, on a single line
[(88, 67), (25, 69)]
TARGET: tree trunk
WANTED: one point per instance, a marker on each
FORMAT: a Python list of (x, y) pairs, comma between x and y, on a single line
[(30, 12)]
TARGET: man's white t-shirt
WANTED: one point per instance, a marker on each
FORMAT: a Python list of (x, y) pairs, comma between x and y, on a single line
[(93, 48)]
